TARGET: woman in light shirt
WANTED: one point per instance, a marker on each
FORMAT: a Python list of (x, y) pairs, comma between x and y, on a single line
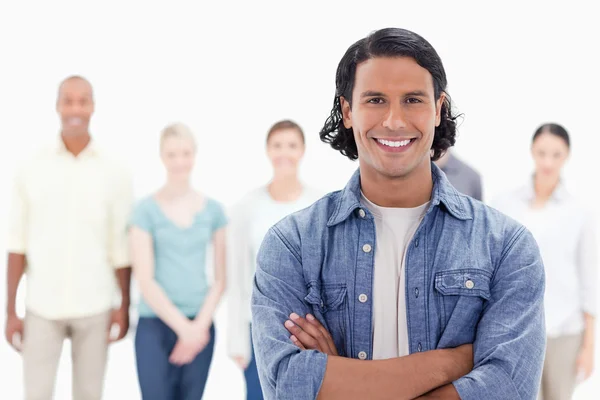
[(251, 219), (171, 231), (565, 233)]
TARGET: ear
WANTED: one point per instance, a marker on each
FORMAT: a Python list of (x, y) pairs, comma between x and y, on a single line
[(346, 112), (438, 109)]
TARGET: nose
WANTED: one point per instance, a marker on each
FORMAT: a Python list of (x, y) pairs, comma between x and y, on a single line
[(395, 118)]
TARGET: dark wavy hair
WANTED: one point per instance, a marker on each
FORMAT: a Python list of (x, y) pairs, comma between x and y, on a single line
[(388, 42), (556, 130)]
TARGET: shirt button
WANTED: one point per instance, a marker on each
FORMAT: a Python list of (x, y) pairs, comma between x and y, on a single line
[(367, 248), (470, 284), (419, 347), (362, 298), (362, 355), (417, 293), (417, 242), (362, 213)]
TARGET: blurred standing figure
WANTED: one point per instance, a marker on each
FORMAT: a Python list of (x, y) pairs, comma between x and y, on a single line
[(461, 175), (68, 234), (171, 231), (251, 219), (565, 233)]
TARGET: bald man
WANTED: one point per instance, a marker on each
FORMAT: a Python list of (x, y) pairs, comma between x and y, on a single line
[(71, 203)]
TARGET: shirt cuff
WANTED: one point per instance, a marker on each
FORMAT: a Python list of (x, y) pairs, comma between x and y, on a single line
[(488, 382)]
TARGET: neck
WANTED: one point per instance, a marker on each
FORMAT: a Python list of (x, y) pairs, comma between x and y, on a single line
[(177, 188), (545, 185), (285, 188), (76, 143), (408, 191)]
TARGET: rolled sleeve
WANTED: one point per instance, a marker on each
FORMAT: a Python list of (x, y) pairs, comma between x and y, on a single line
[(285, 371), (587, 264), (120, 213), (18, 218), (510, 342)]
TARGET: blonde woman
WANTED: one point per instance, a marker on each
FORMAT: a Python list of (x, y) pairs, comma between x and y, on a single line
[(170, 234), (251, 219)]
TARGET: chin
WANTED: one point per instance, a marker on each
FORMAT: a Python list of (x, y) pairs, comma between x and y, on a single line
[(74, 132)]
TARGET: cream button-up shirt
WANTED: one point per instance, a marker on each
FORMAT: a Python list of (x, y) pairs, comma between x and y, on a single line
[(69, 217)]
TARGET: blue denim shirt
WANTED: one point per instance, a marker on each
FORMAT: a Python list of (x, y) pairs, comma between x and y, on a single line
[(473, 275)]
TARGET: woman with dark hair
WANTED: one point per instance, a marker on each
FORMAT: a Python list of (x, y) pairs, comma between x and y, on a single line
[(251, 219), (565, 233)]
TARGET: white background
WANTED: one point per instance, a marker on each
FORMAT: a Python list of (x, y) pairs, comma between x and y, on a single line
[(230, 69)]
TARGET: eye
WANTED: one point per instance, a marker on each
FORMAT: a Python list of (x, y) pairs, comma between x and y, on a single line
[(413, 100), (375, 100)]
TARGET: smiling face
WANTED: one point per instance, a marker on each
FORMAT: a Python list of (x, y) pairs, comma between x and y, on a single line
[(75, 106), (178, 153), (393, 115), (550, 152), (285, 149)]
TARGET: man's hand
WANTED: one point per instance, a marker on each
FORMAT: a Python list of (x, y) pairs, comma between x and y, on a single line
[(189, 345), (120, 318), (309, 334), (585, 363), (14, 326)]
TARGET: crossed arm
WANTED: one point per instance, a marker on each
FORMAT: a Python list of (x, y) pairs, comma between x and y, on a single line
[(512, 324), (287, 372), (308, 334)]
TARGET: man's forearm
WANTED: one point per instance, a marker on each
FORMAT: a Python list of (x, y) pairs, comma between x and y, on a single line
[(124, 281), (446, 392), (589, 331), (405, 377), (14, 272)]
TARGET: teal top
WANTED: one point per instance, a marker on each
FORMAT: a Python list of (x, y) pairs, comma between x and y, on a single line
[(179, 253)]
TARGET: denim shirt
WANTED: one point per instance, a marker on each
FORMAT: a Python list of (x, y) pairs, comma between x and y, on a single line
[(473, 275)]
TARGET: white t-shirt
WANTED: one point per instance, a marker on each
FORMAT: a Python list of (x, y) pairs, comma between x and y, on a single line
[(395, 227), (250, 221)]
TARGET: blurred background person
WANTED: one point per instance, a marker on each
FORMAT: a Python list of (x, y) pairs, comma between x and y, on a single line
[(461, 175), (251, 219), (71, 206), (566, 235), (170, 234)]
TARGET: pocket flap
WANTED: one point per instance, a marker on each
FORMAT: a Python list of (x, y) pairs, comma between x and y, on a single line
[(464, 282), (330, 297)]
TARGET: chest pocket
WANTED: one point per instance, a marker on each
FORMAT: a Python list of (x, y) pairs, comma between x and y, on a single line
[(329, 304), (460, 295)]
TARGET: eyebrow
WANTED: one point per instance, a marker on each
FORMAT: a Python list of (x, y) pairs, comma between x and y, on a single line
[(372, 93)]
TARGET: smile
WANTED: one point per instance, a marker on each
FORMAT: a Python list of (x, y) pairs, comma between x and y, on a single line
[(395, 146), (391, 143)]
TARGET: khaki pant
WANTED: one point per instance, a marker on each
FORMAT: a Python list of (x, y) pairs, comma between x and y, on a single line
[(560, 371), (42, 347)]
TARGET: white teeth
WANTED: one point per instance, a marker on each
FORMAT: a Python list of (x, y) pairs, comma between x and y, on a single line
[(394, 144)]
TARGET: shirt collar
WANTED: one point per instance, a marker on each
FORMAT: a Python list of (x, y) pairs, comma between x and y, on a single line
[(443, 193), (60, 148)]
